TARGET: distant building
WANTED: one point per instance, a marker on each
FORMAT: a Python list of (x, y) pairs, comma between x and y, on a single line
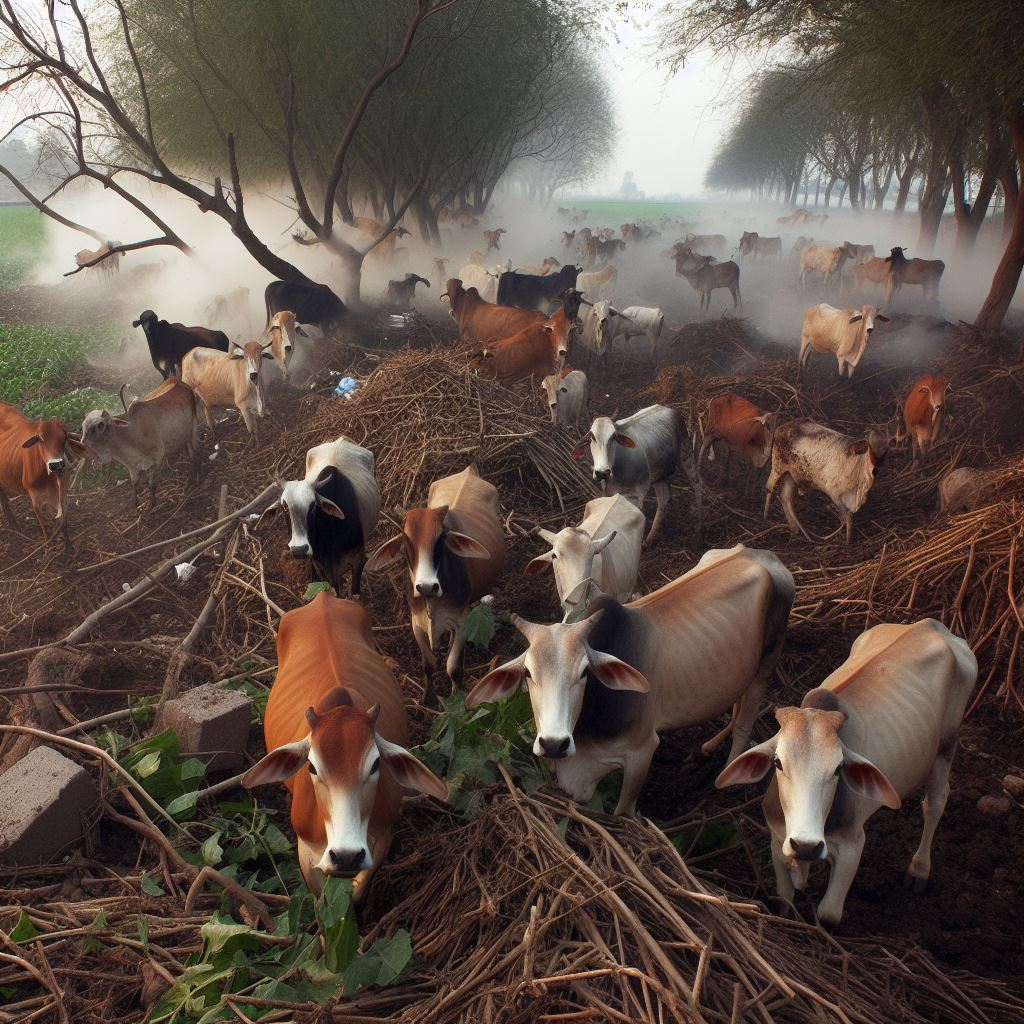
[(629, 188)]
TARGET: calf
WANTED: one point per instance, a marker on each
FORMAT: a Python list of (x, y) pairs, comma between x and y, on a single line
[(752, 244), (963, 489), (536, 350), (454, 551), (234, 379), (600, 556), (403, 293), (638, 322), (440, 263), (640, 452), (153, 427), (743, 427), (568, 240), (808, 456), (603, 688), (535, 291), (169, 343), (311, 303), (923, 411), (826, 260), (704, 275), (844, 333), (881, 726), (568, 396), (332, 510), (336, 734), (549, 264), (33, 454)]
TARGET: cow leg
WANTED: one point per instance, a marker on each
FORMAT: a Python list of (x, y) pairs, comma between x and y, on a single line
[(784, 887), (357, 572), (634, 774), (748, 707), (848, 521), (661, 495), (786, 497), (152, 486), (8, 511), (720, 737), (935, 795), (845, 862), (429, 662), (453, 666), (708, 442)]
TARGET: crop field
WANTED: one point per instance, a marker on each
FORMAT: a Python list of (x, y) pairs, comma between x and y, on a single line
[(21, 236), (616, 212)]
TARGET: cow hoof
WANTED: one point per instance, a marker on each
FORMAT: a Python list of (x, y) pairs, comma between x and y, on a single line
[(914, 884)]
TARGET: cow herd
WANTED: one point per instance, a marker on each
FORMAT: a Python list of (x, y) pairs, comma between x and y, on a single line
[(620, 667)]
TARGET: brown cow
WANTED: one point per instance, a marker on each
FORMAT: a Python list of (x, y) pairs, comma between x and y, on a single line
[(743, 427), (705, 275), (481, 321), (926, 273), (32, 459), (537, 350), (923, 412)]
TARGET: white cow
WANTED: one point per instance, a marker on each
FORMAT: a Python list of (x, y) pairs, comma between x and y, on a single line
[(600, 556), (638, 322), (844, 333), (880, 727), (290, 344), (598, 284), (568, 397), (225, 379), (483, 280), (809, 456), (826, 260)]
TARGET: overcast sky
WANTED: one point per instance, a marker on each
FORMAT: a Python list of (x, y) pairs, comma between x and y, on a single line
[(668, 128)]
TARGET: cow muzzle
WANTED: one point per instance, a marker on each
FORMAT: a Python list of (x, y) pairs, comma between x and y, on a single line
[(807, 849), (554, 747), (428, 589), (254, 377), (602, 474), (343, 863), (299, 550), (55, 466)]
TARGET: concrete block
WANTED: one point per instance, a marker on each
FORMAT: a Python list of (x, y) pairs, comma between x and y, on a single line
[(44, 798), (212, 723)]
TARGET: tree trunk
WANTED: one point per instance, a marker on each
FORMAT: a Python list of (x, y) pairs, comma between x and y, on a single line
[(905, 182), (1011, 195), (817, 190), (881, 187), (842, 192), (1007, 275), (828, 189), (969, 219)]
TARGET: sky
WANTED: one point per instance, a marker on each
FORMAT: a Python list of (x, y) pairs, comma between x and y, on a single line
[(668, 128)]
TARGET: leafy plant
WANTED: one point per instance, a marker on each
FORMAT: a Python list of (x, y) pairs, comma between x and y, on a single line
[(317, 587)]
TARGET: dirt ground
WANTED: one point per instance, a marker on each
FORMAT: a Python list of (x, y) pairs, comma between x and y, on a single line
[(966, 919)]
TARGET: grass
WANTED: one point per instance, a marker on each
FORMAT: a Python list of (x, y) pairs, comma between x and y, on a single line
[(21, 239), (613, 212)]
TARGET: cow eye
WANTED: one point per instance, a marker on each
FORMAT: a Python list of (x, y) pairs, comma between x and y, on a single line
[(312, 769), (375, 767), (778, 765), (839, 768)]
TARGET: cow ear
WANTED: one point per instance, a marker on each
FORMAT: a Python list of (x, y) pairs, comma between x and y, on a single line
[(280, 764), (858, 447), (120, 421), (409, 771), (602, 542), (33, 441), (387, 553), (268, 513), (751, 766), (882, 317), (236, 353), (329, 507), (499, 684), (625, 441), (83, 451), (864, 778), (466, 547), (616, 674), (540, 563), (856, 317)]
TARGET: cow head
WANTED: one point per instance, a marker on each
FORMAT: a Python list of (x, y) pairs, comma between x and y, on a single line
[(345, 757), (556, 665), (934, 388), (52, 443), (300, 498), (283, 330), (605, 441), (147, 320), (868, 315), (423, 541), (571, 557), (809, 758), (96, 430), (253, 353)]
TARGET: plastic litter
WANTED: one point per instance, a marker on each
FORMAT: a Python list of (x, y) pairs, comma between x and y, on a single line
[(346, 386)]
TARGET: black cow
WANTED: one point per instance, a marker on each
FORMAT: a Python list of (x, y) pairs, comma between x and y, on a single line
[(535, 291), (168, 343), (311, 304)]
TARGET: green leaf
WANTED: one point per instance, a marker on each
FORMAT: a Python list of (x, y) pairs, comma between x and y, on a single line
[(183, 804), (395, 954), (150, 887), (212, 851), (143, 923), (361, 973), (148, 765), (315, 588), (24, 930), (479, 627)]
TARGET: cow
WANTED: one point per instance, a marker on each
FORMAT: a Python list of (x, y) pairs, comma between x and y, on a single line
[(600, 556), (289, 355), (874, 271), (333, 509), (923, 411), (153, 427), (593, 336), (640, 452), (454, 551), (336, 734), (826, 260), (637, 322), (230, 307), (844, 333), (714, 245), (926, 273), (859, 253), (809, 456), (883, 725), (598, 284), (403, 293), (385, 250), (311, 303), (537, 350), (483, 280), (535, 291), (595, 248), (233, 379), (743, 427), (169, 343), (604, 687), (568, 240), (108, 266), (752, 244), (549, 264), (704, 275), (493, 238), (568, 396), (440, 262), (33, 454), (479, 321)]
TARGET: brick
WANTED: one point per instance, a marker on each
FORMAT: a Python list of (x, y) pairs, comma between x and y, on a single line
[(45, 796), (211, 723)]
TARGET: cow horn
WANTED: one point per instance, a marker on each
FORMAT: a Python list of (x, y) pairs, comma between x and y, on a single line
[(121, 396)]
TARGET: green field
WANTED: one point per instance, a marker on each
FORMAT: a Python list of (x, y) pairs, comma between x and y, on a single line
[(21, 239), (616, 212)]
